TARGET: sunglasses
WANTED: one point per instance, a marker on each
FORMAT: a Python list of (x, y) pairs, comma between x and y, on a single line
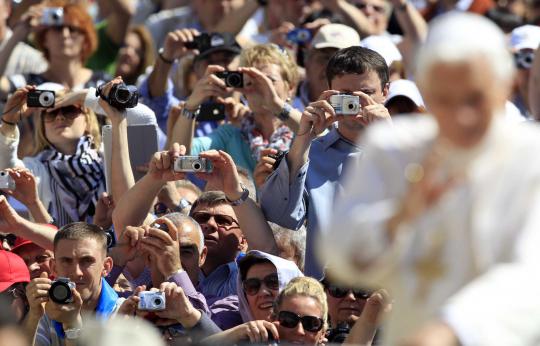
[(289, 319), (69, 112), (253, 285), (222, 220), (376, 8), (340, 292), (72, 29)]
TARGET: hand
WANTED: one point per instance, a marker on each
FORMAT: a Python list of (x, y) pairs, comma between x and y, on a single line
[(129, 306), (16, 107), (37, 294), (73, 98), (25, 186), (434, 333), (208, 86), (9, 219), (234, 110), (371, 110), (31, 19), (113, 113), (169, 196), (426, 187), (67, 314), (128, 245), (224, 176), (163, 247), (366, 325), (174, 46), (162, 163), (279, 35), (255, 331), (104, 210), (179, 308), (264, 167), (317, 116), (260, 91)]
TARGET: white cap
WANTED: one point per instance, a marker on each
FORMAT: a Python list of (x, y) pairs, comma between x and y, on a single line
[(335, 36), (406, 88), (384, 46), (525, 37), (51, 86)]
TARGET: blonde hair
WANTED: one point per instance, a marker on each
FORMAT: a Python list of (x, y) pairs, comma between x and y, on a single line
[(272, 54), (40, 139), (306, 287)]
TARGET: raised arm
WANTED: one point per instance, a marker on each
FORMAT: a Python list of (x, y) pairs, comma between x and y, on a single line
[(119, 16), (352, 16), (234, 21)]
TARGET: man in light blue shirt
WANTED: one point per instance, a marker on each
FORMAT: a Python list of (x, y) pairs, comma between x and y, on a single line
[(303, 186)]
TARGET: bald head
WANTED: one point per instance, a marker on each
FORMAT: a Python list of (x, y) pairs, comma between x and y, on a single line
[(189, 231)]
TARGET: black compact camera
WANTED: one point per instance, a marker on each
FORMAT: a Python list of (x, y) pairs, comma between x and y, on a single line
[(121, 96), (111, 238), (233, 79), (278, 157), (40, 98), (60, 291), (339, 334), (211, 111), (201, 41)]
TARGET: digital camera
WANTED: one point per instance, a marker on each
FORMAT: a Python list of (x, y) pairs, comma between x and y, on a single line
[(121, 96), (232, 79), (299, 36), (53, 16), (40, 98), (192, 164), (6, 181), (151, 301), (345, 104), (60, 291), (203, 40), (339, 334)]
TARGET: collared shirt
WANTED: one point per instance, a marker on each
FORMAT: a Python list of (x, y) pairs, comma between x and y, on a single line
[(221, 282), (310, 195)]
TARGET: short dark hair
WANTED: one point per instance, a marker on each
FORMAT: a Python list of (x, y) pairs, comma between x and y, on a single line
[(81, 230), (356, 60), (209, 199)]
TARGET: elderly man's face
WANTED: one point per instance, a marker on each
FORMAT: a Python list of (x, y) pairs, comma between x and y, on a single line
[(463, 97)]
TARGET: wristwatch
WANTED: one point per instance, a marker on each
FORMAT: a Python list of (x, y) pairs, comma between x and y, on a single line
[(285, 112), (72, 333), (160, 54), (242, 199), (191, 115)]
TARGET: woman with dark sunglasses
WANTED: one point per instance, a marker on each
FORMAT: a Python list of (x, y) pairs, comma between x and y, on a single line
[(261, 277)]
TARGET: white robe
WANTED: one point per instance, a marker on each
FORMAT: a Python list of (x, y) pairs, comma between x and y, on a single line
[(473, 259)]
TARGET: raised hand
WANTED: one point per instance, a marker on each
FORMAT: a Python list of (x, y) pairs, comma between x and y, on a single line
[(104, 210), (179, 308), (224, 176), (264, 167), (208, 86), (318, 116), (9, 219), (163, 246), (25, 186), (128, 245), (16, 108), (174, 46), (371, 111), (162, 163), (261, 91), (37, 294)]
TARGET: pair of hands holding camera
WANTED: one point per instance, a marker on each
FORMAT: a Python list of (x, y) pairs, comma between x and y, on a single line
[(320, 114)]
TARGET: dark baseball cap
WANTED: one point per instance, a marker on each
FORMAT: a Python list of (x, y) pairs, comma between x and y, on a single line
[(218, 42)]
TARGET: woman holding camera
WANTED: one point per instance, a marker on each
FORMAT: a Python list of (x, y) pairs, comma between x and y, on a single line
[(270, 78), (66, 155)]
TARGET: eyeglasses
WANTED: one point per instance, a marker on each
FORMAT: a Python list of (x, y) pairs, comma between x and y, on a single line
[(340, 292), (253, 285), (222, 220), (69, 112), (376, 8), (289, 319)]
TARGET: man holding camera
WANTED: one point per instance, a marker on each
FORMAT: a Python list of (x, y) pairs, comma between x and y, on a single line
[(304, 184), (80, 265)]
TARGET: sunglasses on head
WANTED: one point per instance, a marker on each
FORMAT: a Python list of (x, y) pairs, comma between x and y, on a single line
[(69, 112), (222, 220), (253, 285), (340, 292), (289, 319)]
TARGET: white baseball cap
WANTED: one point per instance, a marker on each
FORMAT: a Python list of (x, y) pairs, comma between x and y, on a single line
[(384, 46), (525, 37), (335, 36), (406, 88)]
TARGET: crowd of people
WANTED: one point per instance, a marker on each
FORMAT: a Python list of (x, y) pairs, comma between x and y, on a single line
[(216, 172)]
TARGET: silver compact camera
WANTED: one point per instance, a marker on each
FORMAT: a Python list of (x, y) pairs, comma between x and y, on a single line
[(345, 104), (192, 164), (6, 181), (53, 16), (151, 301)]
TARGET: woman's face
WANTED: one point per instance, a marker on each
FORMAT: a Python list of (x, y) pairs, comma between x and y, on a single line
[(64, 41), (261, 301), (273, 72), (129, 56), (301, 306), (64, 126)]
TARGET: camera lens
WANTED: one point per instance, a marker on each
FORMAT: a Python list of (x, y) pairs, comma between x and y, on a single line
[(234, 80), (196, 166), (158, 302), (122, 95), (60, 292)]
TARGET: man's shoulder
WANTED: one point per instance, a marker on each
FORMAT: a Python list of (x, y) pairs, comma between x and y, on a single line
[(405, 132)]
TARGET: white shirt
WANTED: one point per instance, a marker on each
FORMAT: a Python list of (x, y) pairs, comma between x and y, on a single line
[(472, 259)]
